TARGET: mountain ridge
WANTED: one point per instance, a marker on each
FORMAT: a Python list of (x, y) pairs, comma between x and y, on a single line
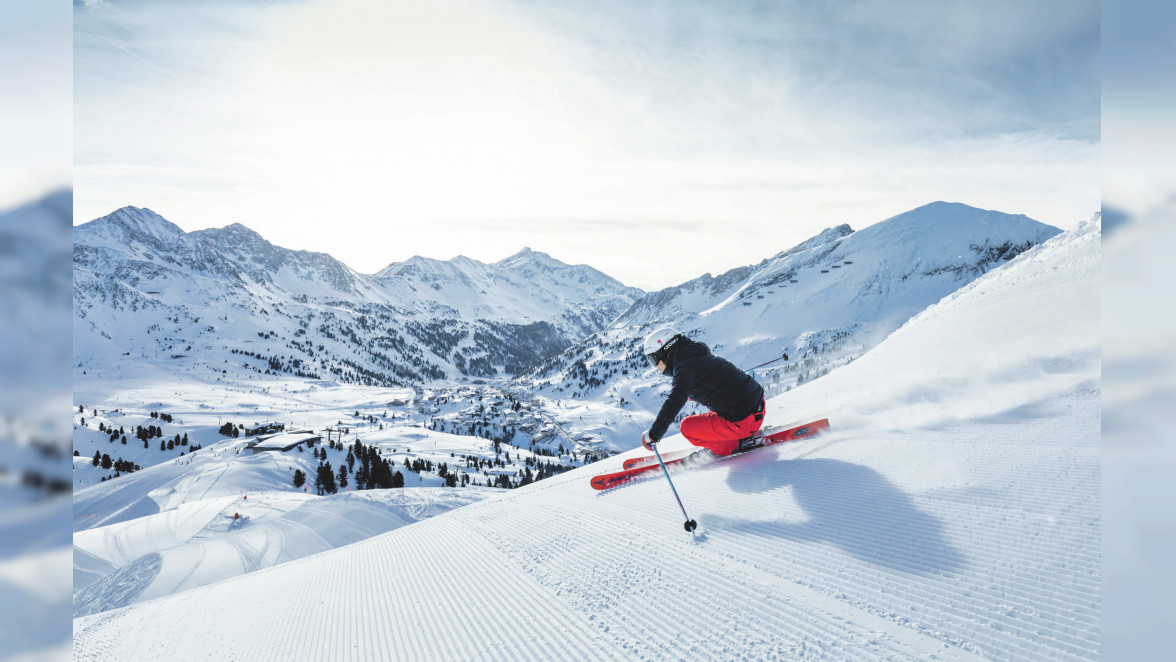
[(433, 315), (547, 327), (824, 303)]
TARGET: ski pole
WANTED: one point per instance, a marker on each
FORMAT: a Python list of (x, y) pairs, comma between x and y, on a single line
[(690, 524), (782, 358)]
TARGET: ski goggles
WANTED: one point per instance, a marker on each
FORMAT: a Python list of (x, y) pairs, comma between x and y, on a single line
[(660, 355)]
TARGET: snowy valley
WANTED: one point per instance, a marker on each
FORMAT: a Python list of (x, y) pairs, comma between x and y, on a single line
[(458, 410)]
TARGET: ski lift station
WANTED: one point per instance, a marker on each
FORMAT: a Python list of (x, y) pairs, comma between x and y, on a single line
[(284, 441)]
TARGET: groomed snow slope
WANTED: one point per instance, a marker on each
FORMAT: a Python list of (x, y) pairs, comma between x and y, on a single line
[(952, 513)]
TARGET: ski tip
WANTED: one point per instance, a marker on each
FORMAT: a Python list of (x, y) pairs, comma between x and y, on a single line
[(609, 481), (601, 483)]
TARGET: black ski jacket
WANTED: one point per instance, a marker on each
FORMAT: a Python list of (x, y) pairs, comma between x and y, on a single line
[(709, 380)]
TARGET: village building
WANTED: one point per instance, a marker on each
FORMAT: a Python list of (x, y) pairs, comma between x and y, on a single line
[(264, 428)]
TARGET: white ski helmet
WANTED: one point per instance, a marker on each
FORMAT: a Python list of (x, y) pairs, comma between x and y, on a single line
[(658, 343)]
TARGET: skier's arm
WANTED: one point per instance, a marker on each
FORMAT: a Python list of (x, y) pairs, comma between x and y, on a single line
[(673, 404)]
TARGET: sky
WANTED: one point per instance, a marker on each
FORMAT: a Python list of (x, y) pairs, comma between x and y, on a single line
[(653, 141), (35, 100), (1139, 175)]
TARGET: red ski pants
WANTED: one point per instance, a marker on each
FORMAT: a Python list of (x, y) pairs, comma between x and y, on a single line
[(717, 434)]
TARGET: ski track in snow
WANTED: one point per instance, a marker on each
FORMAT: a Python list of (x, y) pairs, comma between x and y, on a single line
[(973, 535), (826, 559)]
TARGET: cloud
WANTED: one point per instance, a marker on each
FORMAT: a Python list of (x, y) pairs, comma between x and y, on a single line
[(383, 119), (771, 78)]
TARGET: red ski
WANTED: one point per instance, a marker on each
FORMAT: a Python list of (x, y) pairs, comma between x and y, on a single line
[(673, 456), (639, 465)]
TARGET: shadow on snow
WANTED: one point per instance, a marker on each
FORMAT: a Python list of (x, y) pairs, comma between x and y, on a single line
[(849, 506)]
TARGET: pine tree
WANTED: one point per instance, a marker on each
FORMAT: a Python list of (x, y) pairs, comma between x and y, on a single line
[(329, 479), (299, 478), (97, 459)]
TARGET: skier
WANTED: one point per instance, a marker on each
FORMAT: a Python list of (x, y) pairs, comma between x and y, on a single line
[(735, 399)]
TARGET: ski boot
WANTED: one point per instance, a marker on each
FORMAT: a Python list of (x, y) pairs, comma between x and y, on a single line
[(748, 443)]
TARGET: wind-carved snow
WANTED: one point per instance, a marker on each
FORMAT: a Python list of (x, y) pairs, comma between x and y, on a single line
[(951, 513), (210, 540)]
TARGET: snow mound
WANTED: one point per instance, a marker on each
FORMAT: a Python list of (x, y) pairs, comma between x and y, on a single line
[(212, 540)]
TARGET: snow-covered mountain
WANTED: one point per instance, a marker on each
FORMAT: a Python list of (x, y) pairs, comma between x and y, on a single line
[(35, 276), (952, 513), (146, 290), (35, 352), (35, 550), (228, 306), (823, 303)]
